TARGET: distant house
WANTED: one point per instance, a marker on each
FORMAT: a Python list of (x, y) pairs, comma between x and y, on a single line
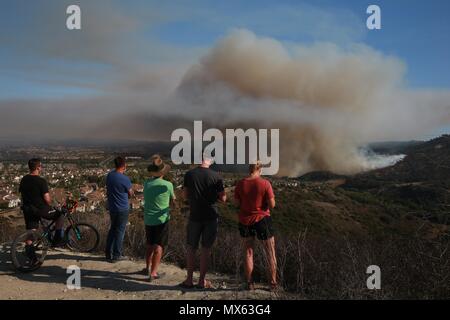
[(137, 202), (11, 200), (54, 181), (137, 188), (85, 190)]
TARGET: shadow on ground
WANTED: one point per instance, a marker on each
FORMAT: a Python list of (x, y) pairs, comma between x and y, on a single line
[(90, 278)]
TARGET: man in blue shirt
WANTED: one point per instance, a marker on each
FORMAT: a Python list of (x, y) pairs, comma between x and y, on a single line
[(118, 190)]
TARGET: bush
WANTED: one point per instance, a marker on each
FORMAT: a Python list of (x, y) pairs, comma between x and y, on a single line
[(313, 266)]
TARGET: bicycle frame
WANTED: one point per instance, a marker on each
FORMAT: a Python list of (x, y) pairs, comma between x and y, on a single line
[(47, 229)]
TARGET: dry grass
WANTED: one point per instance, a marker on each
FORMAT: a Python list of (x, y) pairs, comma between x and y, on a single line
[(312, 266), (317, 267)]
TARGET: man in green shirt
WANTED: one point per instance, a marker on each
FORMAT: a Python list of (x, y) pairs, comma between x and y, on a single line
[(158, 194)]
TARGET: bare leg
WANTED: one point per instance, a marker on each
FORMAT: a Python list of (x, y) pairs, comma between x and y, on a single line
[(30, 239), (248, 244), (148, 257), (204, 261), (190, 260), (156, 259), (269, 246)]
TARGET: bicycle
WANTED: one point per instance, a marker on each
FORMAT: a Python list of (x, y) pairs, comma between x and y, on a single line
[(29, 249)]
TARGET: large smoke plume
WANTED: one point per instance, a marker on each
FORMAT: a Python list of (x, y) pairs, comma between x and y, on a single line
[(326, 101)]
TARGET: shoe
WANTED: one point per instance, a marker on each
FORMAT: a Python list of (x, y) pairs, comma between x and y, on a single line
[(58, 240), (206, 285), (30, 252), (158, 276), (121, 258), (250, 286), (274, 287)]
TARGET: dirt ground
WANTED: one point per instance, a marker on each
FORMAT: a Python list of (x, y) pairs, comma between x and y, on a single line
[(103, 280)]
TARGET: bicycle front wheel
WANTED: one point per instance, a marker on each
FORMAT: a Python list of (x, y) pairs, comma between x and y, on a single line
[(82, 237), (28, 251)]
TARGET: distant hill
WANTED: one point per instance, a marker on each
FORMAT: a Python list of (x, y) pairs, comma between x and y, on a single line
[(425, 162), (317, 176), (394, 147), (421, 181)]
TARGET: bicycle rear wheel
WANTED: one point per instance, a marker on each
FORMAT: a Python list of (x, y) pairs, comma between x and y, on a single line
[(82, 237), (29, 250)]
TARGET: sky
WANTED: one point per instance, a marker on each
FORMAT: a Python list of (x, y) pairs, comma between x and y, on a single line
[(129, 48), (417, 31)]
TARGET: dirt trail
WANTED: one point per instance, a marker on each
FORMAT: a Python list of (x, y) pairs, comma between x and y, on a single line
[(103, 280)]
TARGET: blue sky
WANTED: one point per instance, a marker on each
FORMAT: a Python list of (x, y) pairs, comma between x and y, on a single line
[(416, 31), (131, 53)]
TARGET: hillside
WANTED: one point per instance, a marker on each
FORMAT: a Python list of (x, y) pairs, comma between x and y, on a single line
[(420, 182), (425, 162), (329, 228), (392, 200)]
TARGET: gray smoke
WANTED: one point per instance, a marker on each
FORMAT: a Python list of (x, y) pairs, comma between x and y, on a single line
[(326, 101)]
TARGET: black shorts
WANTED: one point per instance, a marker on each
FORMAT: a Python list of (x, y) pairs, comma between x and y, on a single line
[(262, 229), (157, 235), (206, 231), (34, 215)]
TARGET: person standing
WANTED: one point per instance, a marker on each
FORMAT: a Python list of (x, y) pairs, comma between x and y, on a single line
[(203, 187), (158, 194), (118, 190), (254, 197)]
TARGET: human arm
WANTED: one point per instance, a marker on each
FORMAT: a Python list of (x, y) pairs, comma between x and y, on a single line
[(172, 195), (270, 196), (47, 198), (221, 194), (129, 188), (45, 193)]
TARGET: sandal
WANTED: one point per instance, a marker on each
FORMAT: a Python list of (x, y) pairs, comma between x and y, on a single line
[(274, 287), (206, 285), (250, 286), (158, 276)]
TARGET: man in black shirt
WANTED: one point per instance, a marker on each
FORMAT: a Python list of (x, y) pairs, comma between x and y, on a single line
[(36, 201), (203, 187)]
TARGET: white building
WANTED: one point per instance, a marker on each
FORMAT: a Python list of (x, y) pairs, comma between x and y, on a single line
[(12, 199)]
